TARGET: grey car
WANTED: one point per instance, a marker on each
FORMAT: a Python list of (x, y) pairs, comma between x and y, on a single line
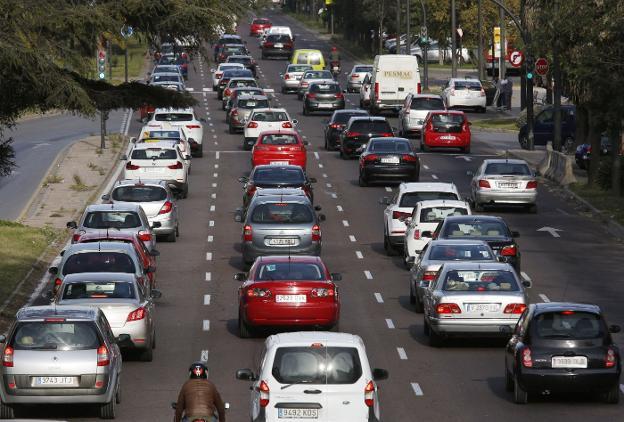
[(473, 299), (55, 355), (414, 111), (241, 109), (292, 76), (437, 252), (127, 304), (281, 225), (235, 83), (357, 75), (309, 76), (322, 96), (127, 217), (155, 198)]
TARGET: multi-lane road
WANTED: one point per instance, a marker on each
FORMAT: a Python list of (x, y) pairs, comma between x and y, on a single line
[(463, 381)]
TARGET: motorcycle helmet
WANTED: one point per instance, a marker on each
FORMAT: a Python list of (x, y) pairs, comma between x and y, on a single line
[(334, 49), (198, 370)]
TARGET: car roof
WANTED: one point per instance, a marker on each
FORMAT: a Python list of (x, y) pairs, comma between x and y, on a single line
[(426, 96), (124, 206), (98, 247), (279, 192), (427, 187), (351, 110), (307, 338), (443, 202), (52, 311), (487, 266), (504, 160), (265, 109), (306, 50), (565, 306), (112, 234), (289, 258), (142, 182), (473, 218), (174, 110), (300, 64), (105, 276), (389, 138), (152, 145)]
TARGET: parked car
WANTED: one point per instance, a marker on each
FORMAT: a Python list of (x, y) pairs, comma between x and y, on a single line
[(337, 123), (544, 128), (292, 75), (446, 129), (414, 111), (357, 75), (309, 76), (241, 108), (280, 45), (184, 119), (464, 93), (388, 159), (359, 130), (279, 148), (274, 176), (266, 120), (321, 96)]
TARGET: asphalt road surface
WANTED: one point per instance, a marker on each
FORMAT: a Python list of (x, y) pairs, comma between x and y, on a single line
[(463, 381)]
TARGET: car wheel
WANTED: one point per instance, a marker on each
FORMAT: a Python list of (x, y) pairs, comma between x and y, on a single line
[(477, 206), (201, 151), (171, 237), (185, 192), (118, 393), (613, 395), (482, 109), (299, 97), (390, 251), (6, 412), (466, 150), (283, 90), (108, 410), (243, 329), (418, 305), (426, 328), (305, 111), (147, 354), (342, 154), (509, 381), (362, 181), (524, 141), (520, 396), (412, 296), (405, 257), (230, 130), (435, 339)]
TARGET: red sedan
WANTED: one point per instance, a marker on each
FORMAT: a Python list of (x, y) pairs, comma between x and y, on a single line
[(279, 148), (446, 129), (258, 26), (282, 291)]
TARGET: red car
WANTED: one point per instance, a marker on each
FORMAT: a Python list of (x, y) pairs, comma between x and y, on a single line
[(279, 148), (283, 291), (446, 129), (147, 258), (258, 26)]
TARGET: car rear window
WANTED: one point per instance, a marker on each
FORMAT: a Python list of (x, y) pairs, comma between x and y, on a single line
[(317, 365), (139, 193), (367, 126), (237, 73), (99, 290), (154, 154), (426, 103), (447, 123), (389, 146), (317, 74), (223, 68), (283, 38), (466, 85), (507, 169), (480, 280), (173, 117), (361, 69), (280, 139), (270, 116), (39, 335), (112, 220), (315, 58), (278, 175), (437, 214), (243, 60), (325, 88), (233, 49), (289, 271), (282, 213), (159, 78), (343, 118), (460, 253), (568, 324), (297, 68), (164, 134), (253, 103), (241, 83), (411, 199), (261, 22), (98, 262), (475, 229)]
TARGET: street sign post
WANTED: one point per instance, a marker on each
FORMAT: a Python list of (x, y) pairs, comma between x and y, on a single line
[(516, 58), (541, 66)]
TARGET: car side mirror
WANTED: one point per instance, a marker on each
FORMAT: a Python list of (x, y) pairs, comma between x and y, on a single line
[(240, 276), (246, 375), (71, 225), (318, 208), (154, 252), (295, 121), (505, 329), (243, 179), (322, 217), (106, 197), (281, 75), (123, 158), (62, 252), (53, 270), (174, 405), (426, 233), (380, 374), (187, 157), (124, 340), (527, 284), (612, 329), (151, 269), (2, 338), (515, 234), (156, 224), (49, 294), (133, 140), (155, 294), (336, 276)]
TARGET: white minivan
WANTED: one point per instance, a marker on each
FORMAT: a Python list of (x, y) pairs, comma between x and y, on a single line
[(394, 76), (314, 375)]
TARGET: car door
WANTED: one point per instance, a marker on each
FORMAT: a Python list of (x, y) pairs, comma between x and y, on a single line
[(474, 183), (514, 341), (394, 202), (543, 128)]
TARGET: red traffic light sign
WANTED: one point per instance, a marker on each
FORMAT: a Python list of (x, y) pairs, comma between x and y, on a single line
[(101, 54), (541, 66), (516, 58)]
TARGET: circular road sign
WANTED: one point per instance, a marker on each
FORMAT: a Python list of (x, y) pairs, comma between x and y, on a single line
[(541, 66), (516, 58), (127, 31)]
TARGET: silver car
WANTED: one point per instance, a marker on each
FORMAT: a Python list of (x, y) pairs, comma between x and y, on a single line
[(156, 199), (309, 76), (127, 217), (437, 252), (504, 182), (281, 225), (165, 78), (473, 299), (55, 355), (127, 304), (414, 111), (357, 75), (292, 76), (241, 109), (234, 83)]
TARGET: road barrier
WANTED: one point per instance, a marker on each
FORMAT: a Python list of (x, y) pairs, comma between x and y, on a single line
[(557, 166)]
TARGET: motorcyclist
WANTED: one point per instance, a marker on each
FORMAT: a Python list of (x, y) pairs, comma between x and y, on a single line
[(199, 398), (334, 56)]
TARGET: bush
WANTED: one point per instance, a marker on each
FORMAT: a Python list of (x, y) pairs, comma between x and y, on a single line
[(603, 179), (522, 119)]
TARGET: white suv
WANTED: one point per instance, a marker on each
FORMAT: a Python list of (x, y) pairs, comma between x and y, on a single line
[(314, 376), (263, 120), (184, 119), (402, 205)]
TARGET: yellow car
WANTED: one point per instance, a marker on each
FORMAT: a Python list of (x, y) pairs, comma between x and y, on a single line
[(312, 57)]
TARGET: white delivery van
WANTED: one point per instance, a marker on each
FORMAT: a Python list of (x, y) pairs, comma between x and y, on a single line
[(393, 77)]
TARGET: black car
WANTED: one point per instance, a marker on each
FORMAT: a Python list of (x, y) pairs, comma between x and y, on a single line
[(247, 61), (491, 229), (389, 158), (322, 96), (337, 123), (563, 348), (272, 176), (277, 45), (359, 130), (228, 50), (229, 74)]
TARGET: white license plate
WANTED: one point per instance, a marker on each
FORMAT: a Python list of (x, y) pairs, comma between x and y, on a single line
[(151, 169), (290, 298), (390, 160), (279, 45), (447, 138), (282, 242), (297, 413), (54, 381), (569, 362), (483, 307), (279, 163), (325, 105), (508, 185)]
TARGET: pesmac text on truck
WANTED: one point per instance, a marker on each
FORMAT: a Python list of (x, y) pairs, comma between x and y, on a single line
[(399, 74)]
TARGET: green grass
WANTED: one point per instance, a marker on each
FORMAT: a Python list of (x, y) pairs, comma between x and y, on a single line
[(20, 246), (136, 59), (611, 206), (506, 124)]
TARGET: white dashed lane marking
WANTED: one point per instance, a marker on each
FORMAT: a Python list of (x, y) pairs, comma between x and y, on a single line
[(214, 185), (325, 175), (213, 195), (359, 255), (389, 323), (206, 325), (402, 354), (211, 223), (352, 238), (206, 299), (417, 390), (368, 275), (212, 208), (210, 239), (208, 256), (316, 155), (339, 208), (425, 166), (378, 298), (345, 223), (329, 185), (208, 276), (334, 195)]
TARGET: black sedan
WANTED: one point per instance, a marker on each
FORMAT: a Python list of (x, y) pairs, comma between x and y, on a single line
[(337, 123), (563, 348), (359, 130), (388, 159), (273, 176)]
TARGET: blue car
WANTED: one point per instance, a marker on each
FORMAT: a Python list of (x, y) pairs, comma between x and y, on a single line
[(544, 128)]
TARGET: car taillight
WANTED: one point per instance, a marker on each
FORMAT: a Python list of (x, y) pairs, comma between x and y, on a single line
[(76, 237), (288, 45), (7, 357), (316, 233), (258, 292), (370, 157), (176, 166), (339, 96), (311, 95), (103, 358), (387, 134), (286, 76), (610, 359), (247, 233), (527, 361), (218, 75), (304, 84), (351, 134), (268, 44), (514, 308), (418, 88), (398, 214), (429, 275), (252, 125), (532, 184), (323, 292), (264, 394), (227, 92), (510, 250), (166, 208), (482, 92), (136, 315), (335, 126), (57, 282), (416, 234), (193, 126), (377, 92), (251, 189), (369, 394), (130, 166), (234, 112), (144, 236), (448, 308), (484, 184), (287, 125), (409, 158), (354, 76)]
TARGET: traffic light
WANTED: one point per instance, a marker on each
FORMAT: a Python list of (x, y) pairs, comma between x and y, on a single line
[(530, 67), (101, 64)]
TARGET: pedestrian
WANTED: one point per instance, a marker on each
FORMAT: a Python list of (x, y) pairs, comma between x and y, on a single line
[(497, 92), (508, 93)]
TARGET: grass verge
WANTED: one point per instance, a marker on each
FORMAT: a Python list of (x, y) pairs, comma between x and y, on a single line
[(136, 59), (505, 124), (611, 206)]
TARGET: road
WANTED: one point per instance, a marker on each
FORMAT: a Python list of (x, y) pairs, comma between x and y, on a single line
[(464, 381)]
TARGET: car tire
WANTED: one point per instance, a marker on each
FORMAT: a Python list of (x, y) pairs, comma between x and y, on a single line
[(405, 256), (523, 141), (482, 110), (283, 90), (147, 354), (423, 147), (6, 412), (418, 305), (185, 192), (435, 339), (362, 181), (426, 329), (412, 296), (477, 206), (118, 393), (305, 111), (108, 410), (230, 130), (342, 154), (532, 209), (244, 330), (520, 396), (390, 251), (613, 395), (509, 381), (201, 151), (171, 237)]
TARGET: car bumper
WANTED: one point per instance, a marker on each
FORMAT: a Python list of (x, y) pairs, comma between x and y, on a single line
[(295, 314), (138, 332), (167, 225), (80, 394), (467, 326), (484, 197), (291, 84), (276, 52), (438, 142), (388, 105), (252, 251), (391, 172), (320, 106), (290, 161), (467, 102), (568, 381)]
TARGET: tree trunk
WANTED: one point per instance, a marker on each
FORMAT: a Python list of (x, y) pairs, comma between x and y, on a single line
[(581, 125), (382, 3), (616, 163), (593, 136)]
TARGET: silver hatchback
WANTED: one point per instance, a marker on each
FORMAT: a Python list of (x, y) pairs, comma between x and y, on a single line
[(281, 225), (319, 76), (357, 75), (60, 355)]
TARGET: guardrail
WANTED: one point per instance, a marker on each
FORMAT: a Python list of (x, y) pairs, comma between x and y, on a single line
[(557, 166)]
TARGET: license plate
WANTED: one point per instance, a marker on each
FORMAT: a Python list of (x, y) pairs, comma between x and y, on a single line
[(483, 307), (297, 413), (290, 298), (279, 45), (569, 362), (279, 163), (282, 242), (508, 185), (447, 138), (325, 105), (54, 381), (390, 160), (151, 169)]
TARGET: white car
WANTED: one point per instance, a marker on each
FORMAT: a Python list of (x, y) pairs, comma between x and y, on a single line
[(402, 205), (218, 72), (415, 110), (425, 218), (314, 375), (365, 91), (183, 119), (150, 135), (357, 75), (161, 160), (464, 93), (266, 119)]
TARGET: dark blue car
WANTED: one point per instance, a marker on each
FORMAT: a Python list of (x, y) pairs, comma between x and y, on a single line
[(544, 128)]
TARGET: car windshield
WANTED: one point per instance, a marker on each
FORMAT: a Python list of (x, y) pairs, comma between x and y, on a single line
[(325, 88), (41, 335), (252, 103), (139, 193), (475, 229), (98, 262), (174, 117), (427, 103), (411, 199), (270, 116), (243, 60), (241, 83), (460, 253), (280, 139), (278, 176), (99, 290), (112, 219), (343, 118), (154, 154), (480, 281), (289, 271), (437, 214), (389, 146), (318, 74), (362, 69), (468, 85), (507, 169), (282, 213), (315, 58), (568, 324), (165, 78), (368, 126), (450, 123), (237, 72), (316, 364), (298, 68), (233, 49)]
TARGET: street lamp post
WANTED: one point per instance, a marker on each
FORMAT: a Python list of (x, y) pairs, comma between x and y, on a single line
[(453, 41), (425, 47), (480, 52)]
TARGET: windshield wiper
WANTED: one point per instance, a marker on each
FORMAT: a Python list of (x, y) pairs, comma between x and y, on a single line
[(296, 383)]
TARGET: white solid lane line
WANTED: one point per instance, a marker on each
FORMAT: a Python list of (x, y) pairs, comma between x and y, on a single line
[(544, 298), (208, 276), (402, 354), (389, 323), (378, 298), (368, 274), (206, 299), (417, 390)]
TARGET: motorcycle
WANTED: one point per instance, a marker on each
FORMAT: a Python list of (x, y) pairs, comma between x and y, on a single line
[(335, 69), (174, 405)]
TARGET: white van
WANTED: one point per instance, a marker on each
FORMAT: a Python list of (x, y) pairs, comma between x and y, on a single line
[(393, 77), (285, 30)]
